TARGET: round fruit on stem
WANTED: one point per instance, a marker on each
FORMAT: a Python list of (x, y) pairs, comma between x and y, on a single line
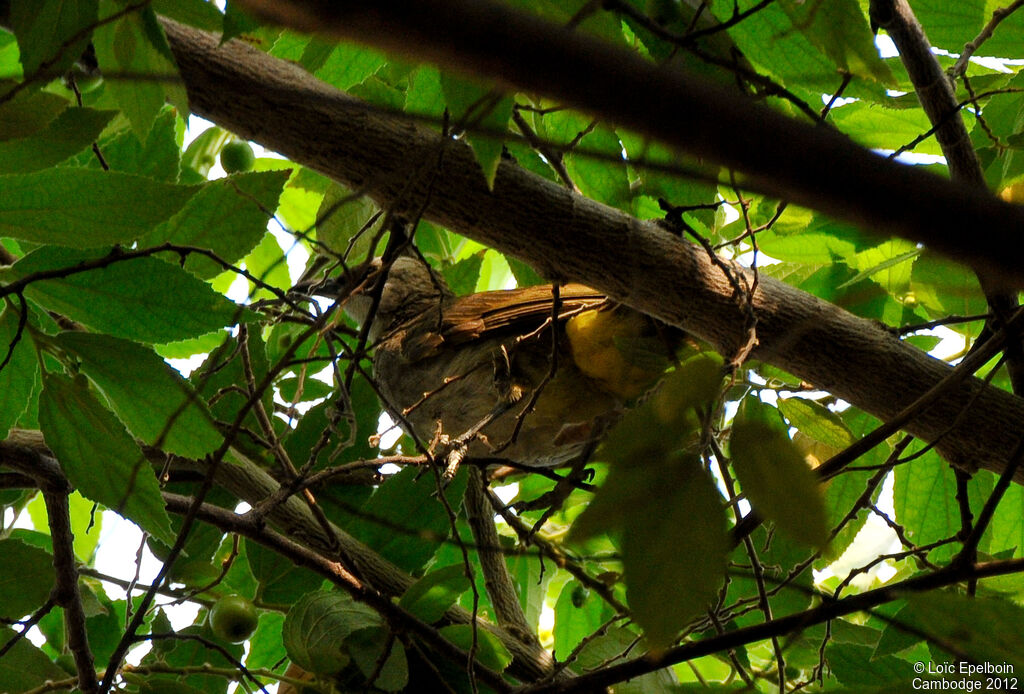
[(233, 618), (237, 157)]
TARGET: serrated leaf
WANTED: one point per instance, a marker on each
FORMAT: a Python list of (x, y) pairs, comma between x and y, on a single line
[(429, 597), (840, 30), (20, 375), (83, 208), (476, 108), (141, 299), (151, 398), (462, 277), (318, 624), (26, 578), (774, 476), (349, 64), (228, 216), (98, 456), (45, 30), (69, 133)]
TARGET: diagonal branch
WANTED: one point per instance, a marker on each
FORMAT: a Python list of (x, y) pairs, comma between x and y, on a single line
[(569, 236), (812, 166)]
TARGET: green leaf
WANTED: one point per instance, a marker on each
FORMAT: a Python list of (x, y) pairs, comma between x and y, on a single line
[(343, 215), (604, 179), (349, 64), (86, 524), (19, 377), (27, 112), (99, 457), (197, 13), (985, 630), (280, 582), (69, 133), (462, 277), (484, 113), (366, 647), (134, 45), (673, 529), (924, 498), (768, 38), (83, 208), (817, 422), (774, 475), (878, 127), (152, 399), (318, 624), (45, 31), (578, 614), (193, 651), (614, 647), (25, 667), (228, 216), (156, 158), (237, 21), (489, 650), (142, 299), (853, 665), (429, 597), (268, 263), (951, 24), (839, 29), (891, 258), (26, 578), (694, 385), (403, 521)]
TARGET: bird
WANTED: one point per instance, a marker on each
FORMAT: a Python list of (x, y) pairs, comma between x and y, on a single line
[(501, 375)]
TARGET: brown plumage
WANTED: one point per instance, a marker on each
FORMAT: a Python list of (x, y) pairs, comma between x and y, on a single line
[(453, 360)]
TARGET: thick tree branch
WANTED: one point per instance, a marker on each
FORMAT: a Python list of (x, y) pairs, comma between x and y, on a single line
[(568, 236), (812, 166)]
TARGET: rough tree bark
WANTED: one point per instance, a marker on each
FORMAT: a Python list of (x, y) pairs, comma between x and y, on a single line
[(408, 167), (811, 165)]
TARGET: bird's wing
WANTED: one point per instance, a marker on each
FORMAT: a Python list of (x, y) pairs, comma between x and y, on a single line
[(490, 314)]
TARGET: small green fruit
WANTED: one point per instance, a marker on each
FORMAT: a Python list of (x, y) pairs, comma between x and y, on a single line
[(237, 157), (233, 618)]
